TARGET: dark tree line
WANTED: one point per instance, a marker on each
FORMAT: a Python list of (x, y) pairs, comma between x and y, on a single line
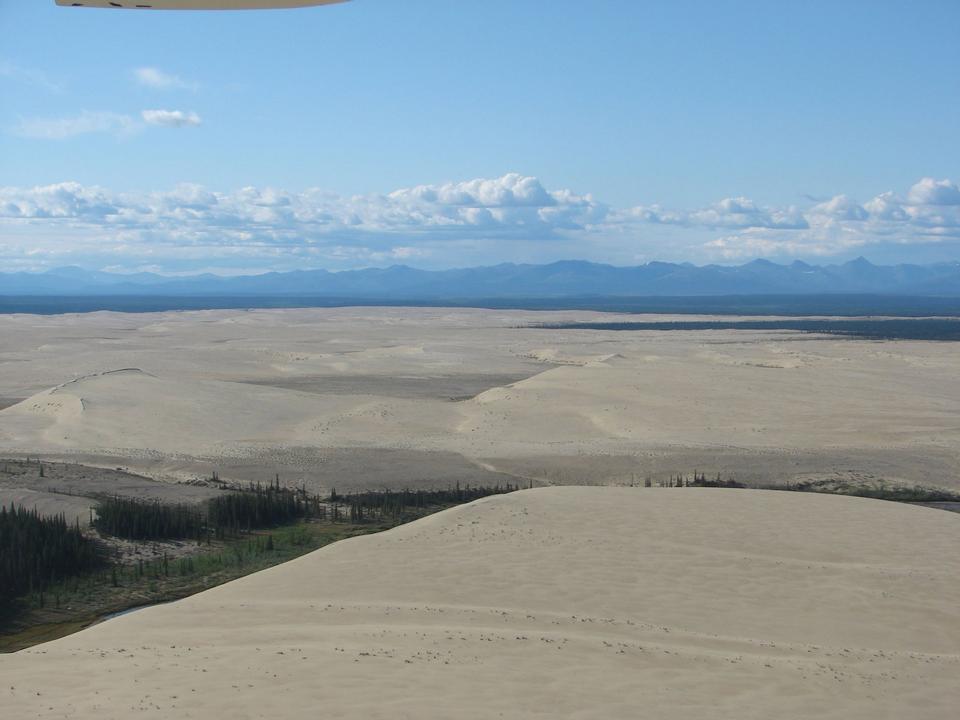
[(230, 514), (148, 519), (37, 551), (697, 480), (701, 480), (260, 506), (878, 490), (402, 505)]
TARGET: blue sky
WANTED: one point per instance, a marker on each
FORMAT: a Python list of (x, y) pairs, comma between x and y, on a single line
[(440, 133)]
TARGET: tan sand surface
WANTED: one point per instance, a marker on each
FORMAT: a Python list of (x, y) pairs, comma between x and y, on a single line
[(74, 509), (551, 603), (317, 394), (72, 489)]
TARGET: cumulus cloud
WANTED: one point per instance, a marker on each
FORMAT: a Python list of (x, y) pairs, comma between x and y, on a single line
[(482, 220), (277, 226), (63, 200), (886, 206), (930, 213), (157, 79), (934, 192), (840, 208), (738, 212), (435, 208), (171, 118), (511, 190)]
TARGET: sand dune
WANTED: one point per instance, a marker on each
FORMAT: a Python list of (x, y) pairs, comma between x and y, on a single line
[(560, 603), (132, 410), (186, 392)]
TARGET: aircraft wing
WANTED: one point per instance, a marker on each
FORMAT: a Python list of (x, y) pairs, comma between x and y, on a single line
[(195, 4)]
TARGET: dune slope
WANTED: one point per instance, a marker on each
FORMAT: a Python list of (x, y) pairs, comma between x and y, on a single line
[(177, 396), (560, 603)]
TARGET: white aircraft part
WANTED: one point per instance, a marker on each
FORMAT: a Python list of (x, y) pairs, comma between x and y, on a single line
[(196, 4)]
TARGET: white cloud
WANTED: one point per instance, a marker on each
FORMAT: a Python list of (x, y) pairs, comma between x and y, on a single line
[(444, 210), (88, 123), (743, 212), (83, 123), (157, 79), (738, 212), (886, 206), (764, 242), (840, 207), (511, 190), (63, 200), (929, 214), (934, 192), (484, 220), (313, 226), (171, 118)]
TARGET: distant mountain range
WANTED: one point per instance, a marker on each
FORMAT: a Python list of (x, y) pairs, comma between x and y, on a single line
[(570, 278)]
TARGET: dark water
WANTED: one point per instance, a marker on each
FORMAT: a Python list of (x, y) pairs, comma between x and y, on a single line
[(896, 329), (789, 305)]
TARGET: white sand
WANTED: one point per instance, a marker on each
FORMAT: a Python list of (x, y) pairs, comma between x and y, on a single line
[(551, 603), (172, 395)]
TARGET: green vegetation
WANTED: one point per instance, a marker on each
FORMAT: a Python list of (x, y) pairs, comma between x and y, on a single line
[(229, 536), (876, 489), (134, 519), (260, 506), (37, 552), (83, 600), (698, 480), (399, 506), (228, 515)]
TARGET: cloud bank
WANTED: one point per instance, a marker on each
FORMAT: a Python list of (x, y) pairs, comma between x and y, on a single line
[(513, 217)]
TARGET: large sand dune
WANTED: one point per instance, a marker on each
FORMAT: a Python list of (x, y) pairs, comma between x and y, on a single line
[(551, 603), (471, 393)]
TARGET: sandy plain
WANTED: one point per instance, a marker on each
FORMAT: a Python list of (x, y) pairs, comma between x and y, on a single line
[(371, 397), (559, 602), (562, 602)]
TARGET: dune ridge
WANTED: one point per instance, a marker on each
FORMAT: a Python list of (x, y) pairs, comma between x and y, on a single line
[(252, 393), (555, 602)]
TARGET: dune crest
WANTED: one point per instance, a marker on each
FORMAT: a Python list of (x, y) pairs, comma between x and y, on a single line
[(557, 602)]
